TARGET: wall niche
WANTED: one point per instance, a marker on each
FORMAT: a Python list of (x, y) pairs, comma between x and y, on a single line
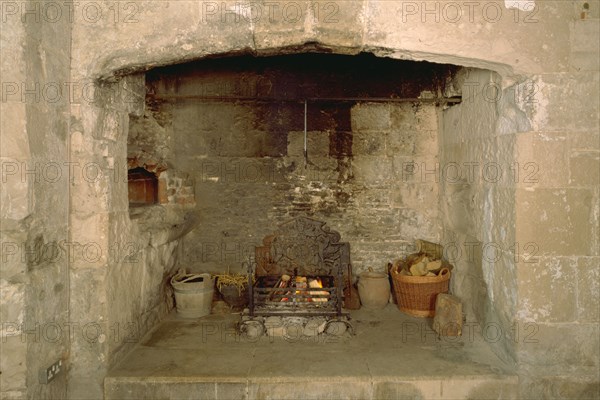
[(142, 187)]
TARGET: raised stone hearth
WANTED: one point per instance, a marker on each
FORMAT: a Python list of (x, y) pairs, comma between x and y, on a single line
[(391, 356)]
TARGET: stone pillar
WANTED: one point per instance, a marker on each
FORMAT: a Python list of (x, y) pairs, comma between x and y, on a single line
[(477, 202), (14, 207), (33, 200), (99, 199)]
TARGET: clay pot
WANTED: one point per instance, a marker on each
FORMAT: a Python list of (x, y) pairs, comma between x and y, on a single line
[(374, 289)]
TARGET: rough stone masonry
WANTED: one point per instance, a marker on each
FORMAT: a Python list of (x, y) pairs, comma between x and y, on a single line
[(73, 82)]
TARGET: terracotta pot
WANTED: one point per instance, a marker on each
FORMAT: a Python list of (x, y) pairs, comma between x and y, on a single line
[(374, 289)]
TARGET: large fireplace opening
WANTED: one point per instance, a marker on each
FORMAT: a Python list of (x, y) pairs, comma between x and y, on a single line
[(382, 151), (247, 143)]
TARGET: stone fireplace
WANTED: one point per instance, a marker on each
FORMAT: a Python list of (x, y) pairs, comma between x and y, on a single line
[(481, 134)]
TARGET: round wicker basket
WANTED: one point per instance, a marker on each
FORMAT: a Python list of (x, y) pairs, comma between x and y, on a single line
[(416, 295)]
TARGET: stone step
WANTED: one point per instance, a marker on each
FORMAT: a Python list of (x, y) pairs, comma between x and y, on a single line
[(360, 388)]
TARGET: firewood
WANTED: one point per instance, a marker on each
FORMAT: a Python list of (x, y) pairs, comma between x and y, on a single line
[(434, 266), (281, 283)]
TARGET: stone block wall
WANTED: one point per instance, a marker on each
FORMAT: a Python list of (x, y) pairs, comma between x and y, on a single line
[(359, 195), (540, 221), (34, 203), (559, 281), (245, 160), (14, 152)]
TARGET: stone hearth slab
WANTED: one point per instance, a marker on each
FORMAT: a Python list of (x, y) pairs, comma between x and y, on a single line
[(391, 356)]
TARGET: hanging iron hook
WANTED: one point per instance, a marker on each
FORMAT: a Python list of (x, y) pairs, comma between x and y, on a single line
[(305, 135)]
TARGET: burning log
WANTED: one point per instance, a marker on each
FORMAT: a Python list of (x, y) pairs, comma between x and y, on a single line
[(301, 284), (281, 283), (316, 283), (299, 290)]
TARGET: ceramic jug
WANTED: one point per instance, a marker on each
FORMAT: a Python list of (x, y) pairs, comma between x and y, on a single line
[(373, 289)]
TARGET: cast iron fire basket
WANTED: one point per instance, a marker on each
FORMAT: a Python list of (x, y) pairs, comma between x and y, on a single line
[(299, 271)]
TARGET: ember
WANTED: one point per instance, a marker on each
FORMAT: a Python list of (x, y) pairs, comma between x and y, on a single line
[(296, 290)]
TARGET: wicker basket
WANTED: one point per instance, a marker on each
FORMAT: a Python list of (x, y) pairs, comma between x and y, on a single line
[(416, 295)]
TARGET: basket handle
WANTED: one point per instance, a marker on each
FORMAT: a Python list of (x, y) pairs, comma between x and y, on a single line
[(444, 271)]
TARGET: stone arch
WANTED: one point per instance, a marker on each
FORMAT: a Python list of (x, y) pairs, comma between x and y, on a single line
[(125, 63)]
